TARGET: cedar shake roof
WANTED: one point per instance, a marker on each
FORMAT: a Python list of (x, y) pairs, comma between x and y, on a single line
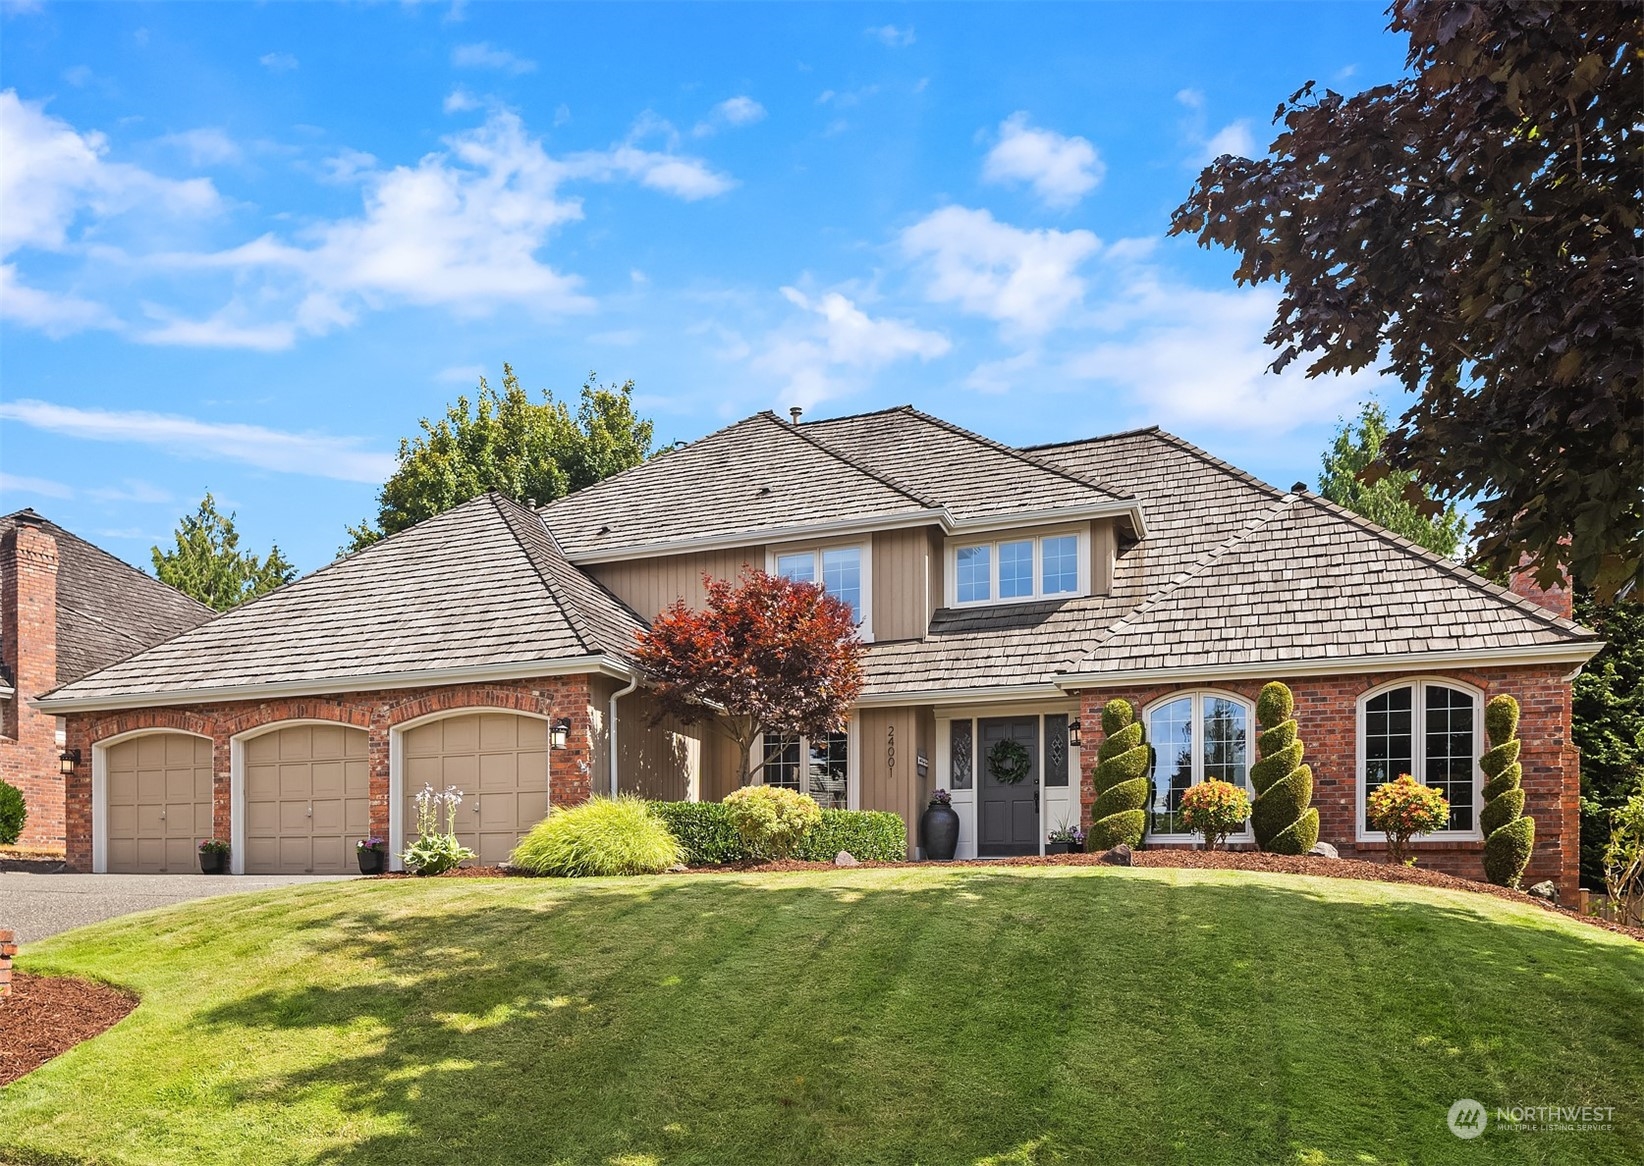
[(106, 608), (481, 584)]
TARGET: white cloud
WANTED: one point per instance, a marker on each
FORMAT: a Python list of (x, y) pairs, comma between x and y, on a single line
[(483, 56), (1236, 137), (315, 454), (348, 165), (55, 314), (1001, 376), (684, 177), (1026, 280), (204, 147), (459, 100), (1061, 170), (1233, 138), (228, 328), (835, 345), (461, 374), (734, 111), (891, 36), (277, 62), (132, 490), (44, 487)]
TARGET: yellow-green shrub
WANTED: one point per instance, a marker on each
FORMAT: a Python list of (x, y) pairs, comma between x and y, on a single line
[(772, 821), (601, 836)]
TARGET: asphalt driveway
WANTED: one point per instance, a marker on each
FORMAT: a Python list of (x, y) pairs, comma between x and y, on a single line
[(38, 905)]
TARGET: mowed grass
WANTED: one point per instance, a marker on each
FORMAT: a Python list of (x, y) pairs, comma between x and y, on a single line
[(901, 1016)]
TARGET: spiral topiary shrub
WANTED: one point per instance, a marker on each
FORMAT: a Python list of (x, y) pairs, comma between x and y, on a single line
[(1118, 814), (1282, 818), (1509, 836)]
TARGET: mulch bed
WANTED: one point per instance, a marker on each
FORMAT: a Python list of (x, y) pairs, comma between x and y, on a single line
[(48, 1015), (14, 858)]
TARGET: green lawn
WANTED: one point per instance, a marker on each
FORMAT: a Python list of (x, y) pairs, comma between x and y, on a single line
[(1004, 1015)]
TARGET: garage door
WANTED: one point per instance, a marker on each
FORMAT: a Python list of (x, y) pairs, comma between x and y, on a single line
[(307, 800), (500, 763), (158, 797)]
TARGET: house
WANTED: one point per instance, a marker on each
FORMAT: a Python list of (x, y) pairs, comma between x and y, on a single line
[(67, 608), (1004, 594)]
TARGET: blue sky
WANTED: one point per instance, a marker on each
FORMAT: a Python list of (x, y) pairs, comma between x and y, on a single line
[(245, 248)]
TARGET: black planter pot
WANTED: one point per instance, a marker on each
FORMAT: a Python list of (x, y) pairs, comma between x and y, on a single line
[(1058, 847), (939, 832), (1075, 847), (371, 861), (213, 863)]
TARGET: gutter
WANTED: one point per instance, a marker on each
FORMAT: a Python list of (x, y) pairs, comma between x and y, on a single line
[(611, 729), (424, 678)]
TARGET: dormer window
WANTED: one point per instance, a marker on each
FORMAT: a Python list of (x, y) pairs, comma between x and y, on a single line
[(1015, 570)]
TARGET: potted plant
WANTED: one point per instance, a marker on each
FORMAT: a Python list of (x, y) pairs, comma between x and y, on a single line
[(1215, 809), (1066, 839), (373, 855), (213, 856), (939, 827), (1402, 809)]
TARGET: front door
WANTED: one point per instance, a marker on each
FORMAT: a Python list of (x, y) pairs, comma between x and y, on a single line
[(1007, 812)]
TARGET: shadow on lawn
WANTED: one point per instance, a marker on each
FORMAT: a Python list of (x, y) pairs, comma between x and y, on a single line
[(726, 1020)]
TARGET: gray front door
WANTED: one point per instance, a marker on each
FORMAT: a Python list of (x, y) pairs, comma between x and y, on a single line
[(1007, 815)]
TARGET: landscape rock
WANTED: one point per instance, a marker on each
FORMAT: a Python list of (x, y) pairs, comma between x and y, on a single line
[(1546, 890), (1120, 855), (845, 858), (1324, 850)]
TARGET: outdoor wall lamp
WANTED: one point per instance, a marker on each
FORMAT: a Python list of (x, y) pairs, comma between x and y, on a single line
[(561, 732), (1074, 734), (66, 763)]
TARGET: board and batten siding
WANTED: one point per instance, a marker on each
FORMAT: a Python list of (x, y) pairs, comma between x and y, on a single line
[(651, 585), (892, 740), (1103, 549), (901, 583)]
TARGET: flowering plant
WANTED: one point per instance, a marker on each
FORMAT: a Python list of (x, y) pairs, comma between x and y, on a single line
[(1215, 809), (1402, 809), (1074, 834), (941, 798), (376, 844), (213, 846), (436, 851)]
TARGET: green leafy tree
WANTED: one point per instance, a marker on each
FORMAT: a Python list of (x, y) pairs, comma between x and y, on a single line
[(208, 564), (1474, 229), (1387, 500), (1607, 724), (502, 440)]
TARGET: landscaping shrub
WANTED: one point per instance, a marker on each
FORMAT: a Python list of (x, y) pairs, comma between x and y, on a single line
[(13, 813), (1282, 818), (1509, 836), (1121, 780), (1624, 858), (704, 831), (869, 835), (601, 836), (770, 820), (436, 851), (1215, 809), (1402, 809)]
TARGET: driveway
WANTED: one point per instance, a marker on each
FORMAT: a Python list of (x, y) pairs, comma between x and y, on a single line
[(38, 905)]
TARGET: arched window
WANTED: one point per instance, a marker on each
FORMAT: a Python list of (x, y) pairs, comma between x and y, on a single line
[(1430, 730), (1195, 736)]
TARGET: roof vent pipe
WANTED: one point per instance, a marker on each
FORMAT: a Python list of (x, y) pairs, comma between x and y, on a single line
[(794, 412)]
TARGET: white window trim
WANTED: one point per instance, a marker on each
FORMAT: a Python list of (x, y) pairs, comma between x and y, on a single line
[(1036, 537), (1418, 750), (864, 629), (853, 761), (1248, 834)]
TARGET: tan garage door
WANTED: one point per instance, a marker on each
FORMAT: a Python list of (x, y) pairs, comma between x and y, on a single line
[(159, 803), (307, 800), (500, 763)]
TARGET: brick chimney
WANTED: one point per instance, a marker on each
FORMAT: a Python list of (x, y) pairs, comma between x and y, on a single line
[(1556, 598), (28, 631)]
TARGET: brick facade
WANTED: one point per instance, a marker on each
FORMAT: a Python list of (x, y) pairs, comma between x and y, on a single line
[(377, 712), (28, 738), (1327, 714)]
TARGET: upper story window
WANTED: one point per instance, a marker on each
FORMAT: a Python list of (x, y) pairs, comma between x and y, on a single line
[(1016, 569), (1430, 730), (1195, 737), (840, 570)]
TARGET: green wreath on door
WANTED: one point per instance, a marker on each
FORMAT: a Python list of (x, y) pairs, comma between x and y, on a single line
[(1008, 762)]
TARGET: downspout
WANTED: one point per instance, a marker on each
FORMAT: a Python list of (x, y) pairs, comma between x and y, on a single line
[(611, 731)]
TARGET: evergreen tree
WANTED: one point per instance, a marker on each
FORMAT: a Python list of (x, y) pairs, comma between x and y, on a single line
[(1607, 723), (1509, 837), (1395, 500), (208, 564), (1121, 780), (1282, 819)]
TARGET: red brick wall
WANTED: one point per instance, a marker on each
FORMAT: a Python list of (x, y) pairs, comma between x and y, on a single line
[(28, 739), (1327, 712), (8, 949), (376, 712)]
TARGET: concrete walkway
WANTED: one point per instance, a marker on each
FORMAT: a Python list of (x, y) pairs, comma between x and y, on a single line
[(38, 905)]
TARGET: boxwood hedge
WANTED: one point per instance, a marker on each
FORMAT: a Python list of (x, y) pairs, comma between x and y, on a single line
[(704, 829)]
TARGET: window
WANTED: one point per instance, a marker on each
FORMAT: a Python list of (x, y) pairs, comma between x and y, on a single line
[(1195, 737), (1428, 729), (817, 766), (1018, 569), (838, 569)]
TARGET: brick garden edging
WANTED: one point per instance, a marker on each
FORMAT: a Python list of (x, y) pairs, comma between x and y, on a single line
[(8, 949)]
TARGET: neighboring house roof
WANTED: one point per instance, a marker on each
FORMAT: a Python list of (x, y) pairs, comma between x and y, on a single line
[(107, 609), (481, 591)]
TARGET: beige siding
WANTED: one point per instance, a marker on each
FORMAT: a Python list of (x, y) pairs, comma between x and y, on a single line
[(1103, 546), (938, 559), (662, 761), (721, 769), (887, 786), (650, 585), (901, 584)]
